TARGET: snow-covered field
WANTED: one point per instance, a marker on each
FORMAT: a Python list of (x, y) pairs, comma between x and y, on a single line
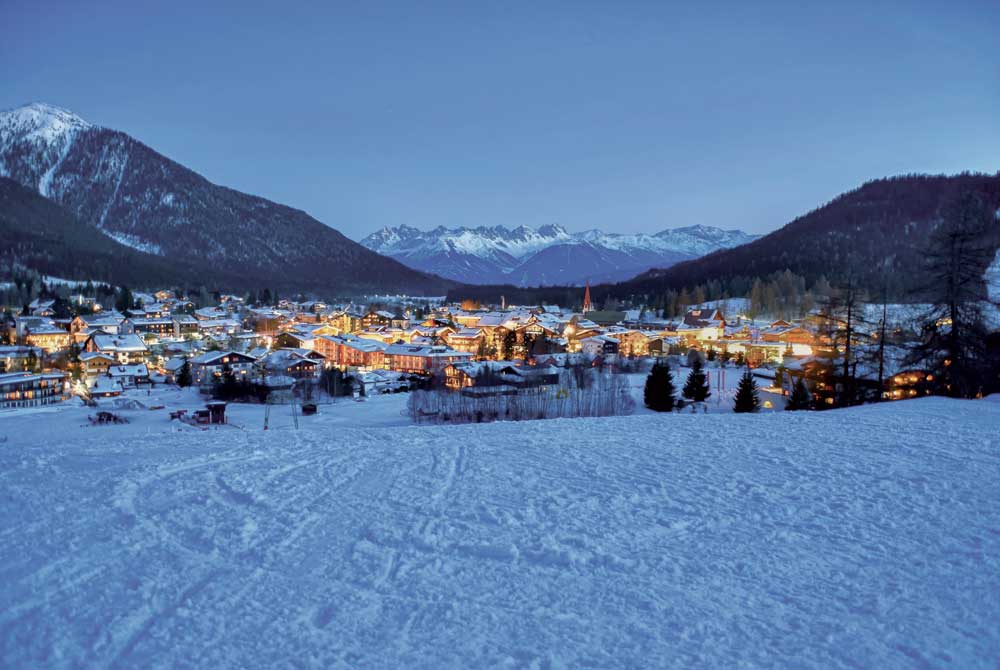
[(860, 538)]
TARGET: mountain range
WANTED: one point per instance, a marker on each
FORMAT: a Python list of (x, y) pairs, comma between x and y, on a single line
[(118, 188), (877, 234), (548, 255)]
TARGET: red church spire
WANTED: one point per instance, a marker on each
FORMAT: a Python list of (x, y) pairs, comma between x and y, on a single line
[(587, 307)]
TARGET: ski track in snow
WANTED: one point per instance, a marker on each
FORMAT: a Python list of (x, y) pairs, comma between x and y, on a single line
[(860, 538)]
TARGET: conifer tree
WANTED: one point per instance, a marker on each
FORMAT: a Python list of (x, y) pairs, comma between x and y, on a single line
[(799, 399), (696, 387), (955, 342), (658, 394), (747, 398), (184, 378)]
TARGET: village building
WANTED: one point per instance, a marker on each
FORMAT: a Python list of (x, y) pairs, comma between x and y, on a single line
[(416, 359), (146, 326), (208, 367), (291, 363), (126, 349), (184, 325), (49, 338), (600, 345), (32, 389), (376, 382), (630, 342), (468, 340), (702, 325), (130, 376), (349, 351), (95, 363)]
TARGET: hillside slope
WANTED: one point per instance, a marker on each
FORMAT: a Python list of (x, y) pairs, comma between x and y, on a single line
[(880, 230), (128, 192), (41, 235), (862, 538)]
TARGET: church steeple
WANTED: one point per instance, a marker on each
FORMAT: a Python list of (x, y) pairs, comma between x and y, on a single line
[(587, 307)]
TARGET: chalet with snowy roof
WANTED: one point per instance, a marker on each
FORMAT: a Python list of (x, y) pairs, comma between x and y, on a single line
[(126, 349), (377, 318), (295, 340), (383, 334), (24, 323), (265, 321), (218, 326), (348, 351), (782, 331), (468, 340), (630, 342), (600, 345), (130, 376), (208, 367), (149, 326), (107, 322), (31, 389), (48, 337), (39, 307), (96, 363), (184, 324), (210, 314), (291, 363), (172, 368), (702, 325), (375, 382), (416, 359)]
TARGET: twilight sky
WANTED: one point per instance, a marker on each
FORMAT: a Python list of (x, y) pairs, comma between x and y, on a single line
[(628, 116)]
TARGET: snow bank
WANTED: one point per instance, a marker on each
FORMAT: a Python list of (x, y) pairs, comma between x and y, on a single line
[(856, 538)]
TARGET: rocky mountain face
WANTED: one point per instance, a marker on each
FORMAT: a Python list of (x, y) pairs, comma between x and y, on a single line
[(128, 192), (548, 255)]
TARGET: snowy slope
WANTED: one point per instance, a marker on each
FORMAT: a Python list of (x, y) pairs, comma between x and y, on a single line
[(546, 255), (845, 539)]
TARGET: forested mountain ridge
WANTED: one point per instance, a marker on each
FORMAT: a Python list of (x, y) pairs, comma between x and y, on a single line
[(40, 235), (877, 233)]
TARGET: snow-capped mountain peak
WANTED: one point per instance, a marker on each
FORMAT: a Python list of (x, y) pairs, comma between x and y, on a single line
[(39, 121), (546, 255), (39, 136)]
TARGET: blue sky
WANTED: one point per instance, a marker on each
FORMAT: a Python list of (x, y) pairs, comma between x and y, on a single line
[(624, 116)]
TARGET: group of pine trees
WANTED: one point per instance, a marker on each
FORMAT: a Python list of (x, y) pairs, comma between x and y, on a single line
[(659, 393)]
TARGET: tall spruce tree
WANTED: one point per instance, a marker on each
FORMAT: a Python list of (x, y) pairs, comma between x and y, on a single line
[(747, 399), (184, 378), (658, 394), (696, 387), (955, 335), (799, 399)]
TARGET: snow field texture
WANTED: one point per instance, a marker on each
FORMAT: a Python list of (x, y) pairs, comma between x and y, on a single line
[(858, 538)]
